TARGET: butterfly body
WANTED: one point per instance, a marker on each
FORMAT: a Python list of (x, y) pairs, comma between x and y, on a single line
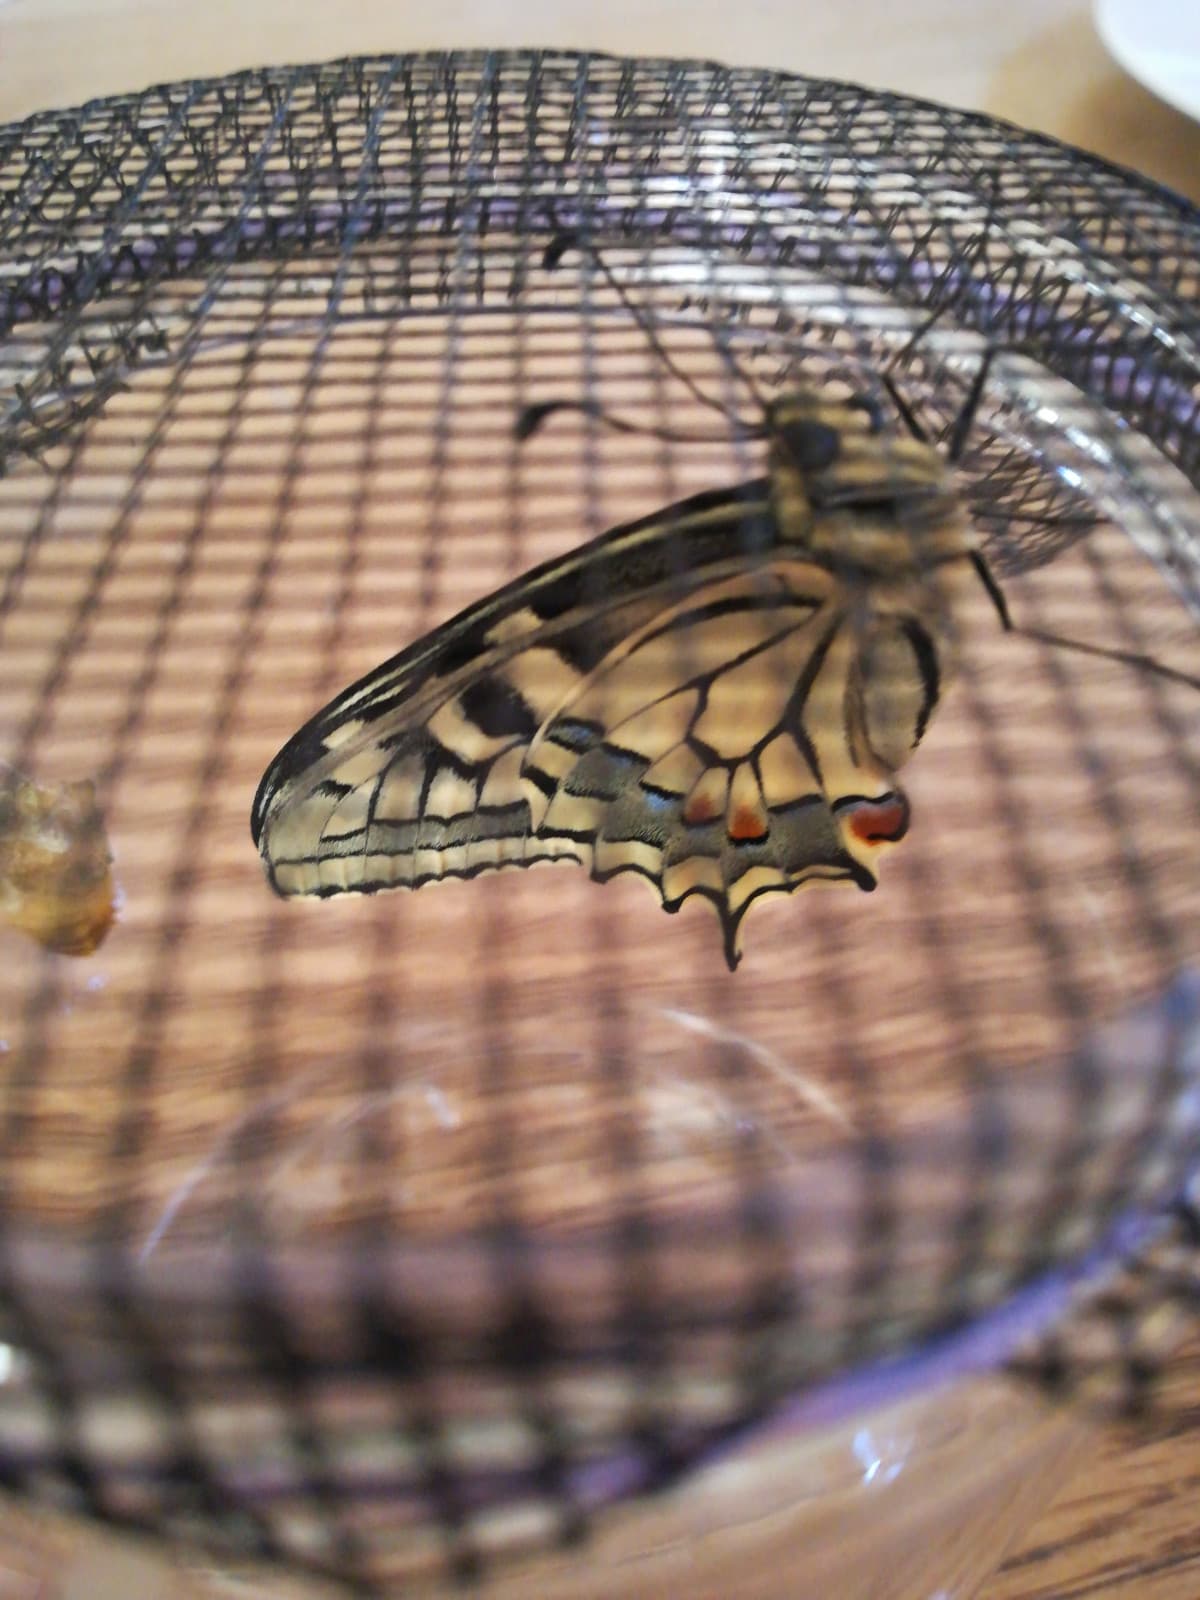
[(717, 696)]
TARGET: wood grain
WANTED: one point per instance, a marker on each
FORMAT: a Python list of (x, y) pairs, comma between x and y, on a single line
[(1123, 1527)]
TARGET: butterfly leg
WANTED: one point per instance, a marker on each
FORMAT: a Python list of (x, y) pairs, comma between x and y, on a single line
[(1130, 658)]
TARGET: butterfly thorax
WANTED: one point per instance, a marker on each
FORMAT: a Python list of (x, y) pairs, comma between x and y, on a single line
[(873, 505)]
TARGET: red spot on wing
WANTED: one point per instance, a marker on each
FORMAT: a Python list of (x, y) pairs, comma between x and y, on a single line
[(748, 822), (881, 821)]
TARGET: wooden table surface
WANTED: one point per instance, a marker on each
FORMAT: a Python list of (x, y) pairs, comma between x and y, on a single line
[(1125, 1527)]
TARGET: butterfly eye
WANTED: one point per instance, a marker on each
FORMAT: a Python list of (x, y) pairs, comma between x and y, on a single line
[(811, 446)]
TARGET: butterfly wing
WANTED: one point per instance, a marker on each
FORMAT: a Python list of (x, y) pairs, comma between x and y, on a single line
[(412, 773), (683, 698), (709, 750)]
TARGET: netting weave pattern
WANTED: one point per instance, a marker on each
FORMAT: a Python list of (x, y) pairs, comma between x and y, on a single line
[(400, 1239)]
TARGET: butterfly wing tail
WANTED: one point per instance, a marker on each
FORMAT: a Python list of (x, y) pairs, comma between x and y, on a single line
[(697, 831)]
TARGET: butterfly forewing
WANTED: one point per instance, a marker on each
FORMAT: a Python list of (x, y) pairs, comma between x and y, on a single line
[(428, 738)]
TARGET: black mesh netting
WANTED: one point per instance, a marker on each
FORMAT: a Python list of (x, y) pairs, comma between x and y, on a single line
[(401, 1237)]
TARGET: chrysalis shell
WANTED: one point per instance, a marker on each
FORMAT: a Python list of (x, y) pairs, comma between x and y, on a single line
[(56, 880)]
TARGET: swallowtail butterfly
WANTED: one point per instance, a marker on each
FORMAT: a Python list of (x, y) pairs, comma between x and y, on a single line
[(717, 696)]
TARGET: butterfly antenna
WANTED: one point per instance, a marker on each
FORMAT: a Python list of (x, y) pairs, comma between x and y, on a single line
[(531, 419), (571, 239)]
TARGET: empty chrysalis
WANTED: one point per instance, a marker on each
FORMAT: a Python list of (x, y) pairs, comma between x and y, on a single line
[(718, 696)]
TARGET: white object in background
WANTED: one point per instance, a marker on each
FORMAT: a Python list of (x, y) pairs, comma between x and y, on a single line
[(1158, 43)]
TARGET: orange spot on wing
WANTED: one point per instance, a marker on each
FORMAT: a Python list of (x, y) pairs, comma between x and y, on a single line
[(748, 823), (699, 809), (879, 821)]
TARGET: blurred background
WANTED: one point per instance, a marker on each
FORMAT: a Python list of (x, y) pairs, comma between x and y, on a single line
[(1040, 63)]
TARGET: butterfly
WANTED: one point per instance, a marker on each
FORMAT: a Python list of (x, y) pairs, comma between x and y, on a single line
[(718, 696)]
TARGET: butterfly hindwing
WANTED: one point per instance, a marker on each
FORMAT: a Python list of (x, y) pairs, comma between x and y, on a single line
[(708, 751)]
